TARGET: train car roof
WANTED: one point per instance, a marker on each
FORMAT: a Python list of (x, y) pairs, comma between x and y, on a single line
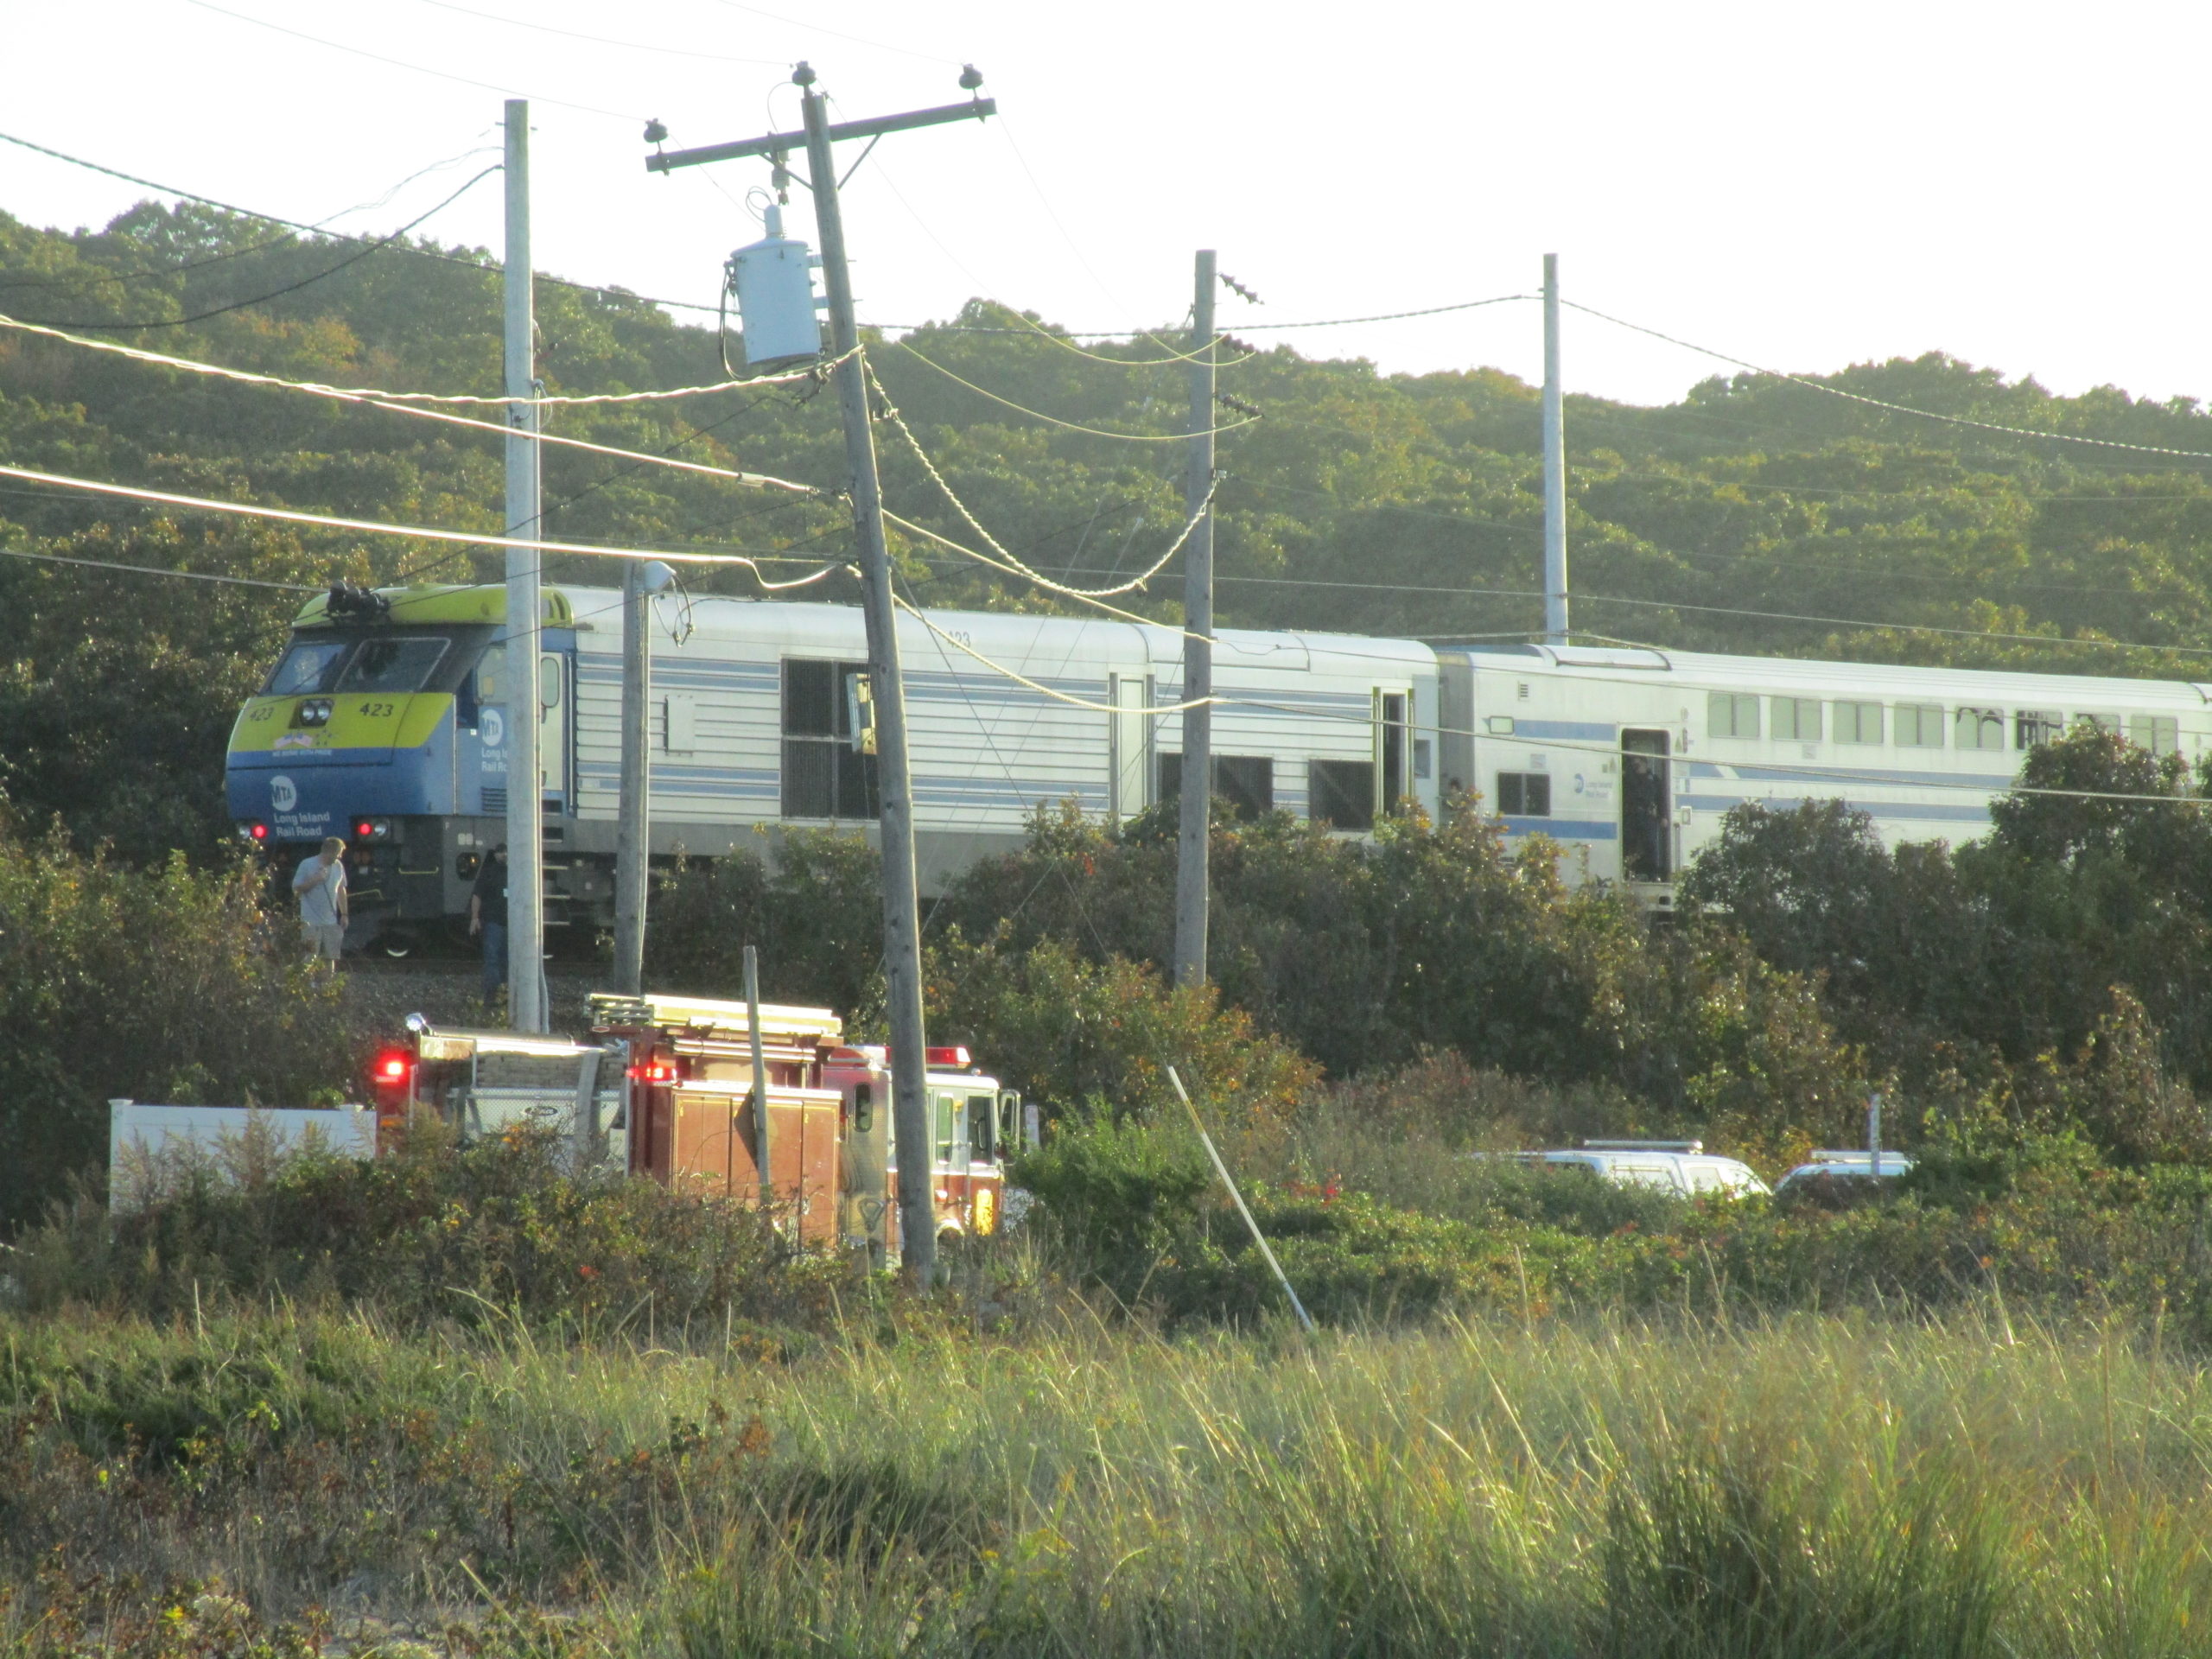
[(990, 631), (1824, 679)]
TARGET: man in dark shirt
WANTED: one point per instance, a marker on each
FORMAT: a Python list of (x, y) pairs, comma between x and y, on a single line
[(487, 916)]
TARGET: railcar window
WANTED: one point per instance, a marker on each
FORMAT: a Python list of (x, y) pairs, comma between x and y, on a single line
[(2102, 723), (309, 666), (1341, 793), (1731, 713), (392, 664), (1979, 728), (1919, 726), (1797, 720), (1246, 782), (1524, 795), (2160, 734), (826, 775), (1858, 722), (2032, 727)]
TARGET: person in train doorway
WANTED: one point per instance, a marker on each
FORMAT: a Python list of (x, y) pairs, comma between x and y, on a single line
[(320, 885), (487, 916)]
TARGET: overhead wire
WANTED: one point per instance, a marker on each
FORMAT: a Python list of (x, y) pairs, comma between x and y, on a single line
[(420, 532), (413, 68), (350, 259), (1072, 426), (601, 40), (375, 394), (438, 254), (1881, 403), (156, 570), (387, 401), (1191, 521)]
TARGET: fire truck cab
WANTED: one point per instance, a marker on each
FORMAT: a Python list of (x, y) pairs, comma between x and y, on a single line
[(974, 1127)]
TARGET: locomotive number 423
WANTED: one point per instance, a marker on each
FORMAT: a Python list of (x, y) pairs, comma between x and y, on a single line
[(375, 709)]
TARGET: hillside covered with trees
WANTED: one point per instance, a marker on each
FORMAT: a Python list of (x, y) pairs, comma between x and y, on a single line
[(1756, 514)]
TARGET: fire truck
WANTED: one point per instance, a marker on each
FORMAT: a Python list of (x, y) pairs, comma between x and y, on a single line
[(663, 1087)]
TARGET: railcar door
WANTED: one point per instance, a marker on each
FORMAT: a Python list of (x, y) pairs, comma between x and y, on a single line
[(1647, 807)]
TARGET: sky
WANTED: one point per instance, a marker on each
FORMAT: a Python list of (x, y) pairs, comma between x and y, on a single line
[(1799, 186)]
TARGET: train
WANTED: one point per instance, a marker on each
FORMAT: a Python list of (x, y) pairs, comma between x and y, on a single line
[(384, 721)]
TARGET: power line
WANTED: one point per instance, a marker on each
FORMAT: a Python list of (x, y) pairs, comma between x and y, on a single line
[(1191, 521), (377, 395), (1877, 403), (1072, 426), (1387, 316), (439, 254), (414, 531), (415, 68), (838, 34), (289, 288), (156, 570), (603, 40)]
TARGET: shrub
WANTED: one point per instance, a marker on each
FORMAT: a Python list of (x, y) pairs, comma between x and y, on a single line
[(500, 1228), (165, 984), (1064, 1029), (814, 909)]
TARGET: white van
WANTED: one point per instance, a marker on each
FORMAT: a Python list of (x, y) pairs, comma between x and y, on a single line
[(1682, 1168)]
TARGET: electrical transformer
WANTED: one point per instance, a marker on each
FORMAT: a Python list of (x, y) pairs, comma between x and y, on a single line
[(776, 304)]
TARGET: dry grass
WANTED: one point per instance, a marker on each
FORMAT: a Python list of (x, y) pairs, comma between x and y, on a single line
[(1808, 1486)]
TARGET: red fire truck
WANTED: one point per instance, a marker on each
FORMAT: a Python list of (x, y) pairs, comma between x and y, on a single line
[(831, 1157)]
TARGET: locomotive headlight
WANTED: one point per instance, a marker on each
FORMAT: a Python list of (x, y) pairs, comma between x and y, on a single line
[(316, 711), (372, 829), (253, 834)]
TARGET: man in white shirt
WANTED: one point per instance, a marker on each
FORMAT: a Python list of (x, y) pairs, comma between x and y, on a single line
[(320, 885)]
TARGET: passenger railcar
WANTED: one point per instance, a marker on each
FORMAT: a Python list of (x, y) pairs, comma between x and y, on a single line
[(1630, 758)]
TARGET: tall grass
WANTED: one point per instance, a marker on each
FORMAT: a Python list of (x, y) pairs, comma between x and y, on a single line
[(1813, 1485)]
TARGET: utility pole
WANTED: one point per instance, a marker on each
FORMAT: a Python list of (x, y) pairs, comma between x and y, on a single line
[(902, 933), (525, 846), (633, 826), (1555, 469), (1194, 842)]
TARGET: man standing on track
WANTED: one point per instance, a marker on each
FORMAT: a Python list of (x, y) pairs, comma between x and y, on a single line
[(487, 915), (320, 885)]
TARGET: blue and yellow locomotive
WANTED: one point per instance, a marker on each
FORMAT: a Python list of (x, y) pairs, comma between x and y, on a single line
[(385, 721)]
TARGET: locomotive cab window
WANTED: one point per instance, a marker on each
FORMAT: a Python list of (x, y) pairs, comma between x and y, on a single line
[(827, 771), (388, 665), (1524, 795), (311, 665)]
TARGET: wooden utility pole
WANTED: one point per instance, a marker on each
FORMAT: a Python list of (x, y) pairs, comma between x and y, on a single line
[(902, 933), (1195, 827)]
